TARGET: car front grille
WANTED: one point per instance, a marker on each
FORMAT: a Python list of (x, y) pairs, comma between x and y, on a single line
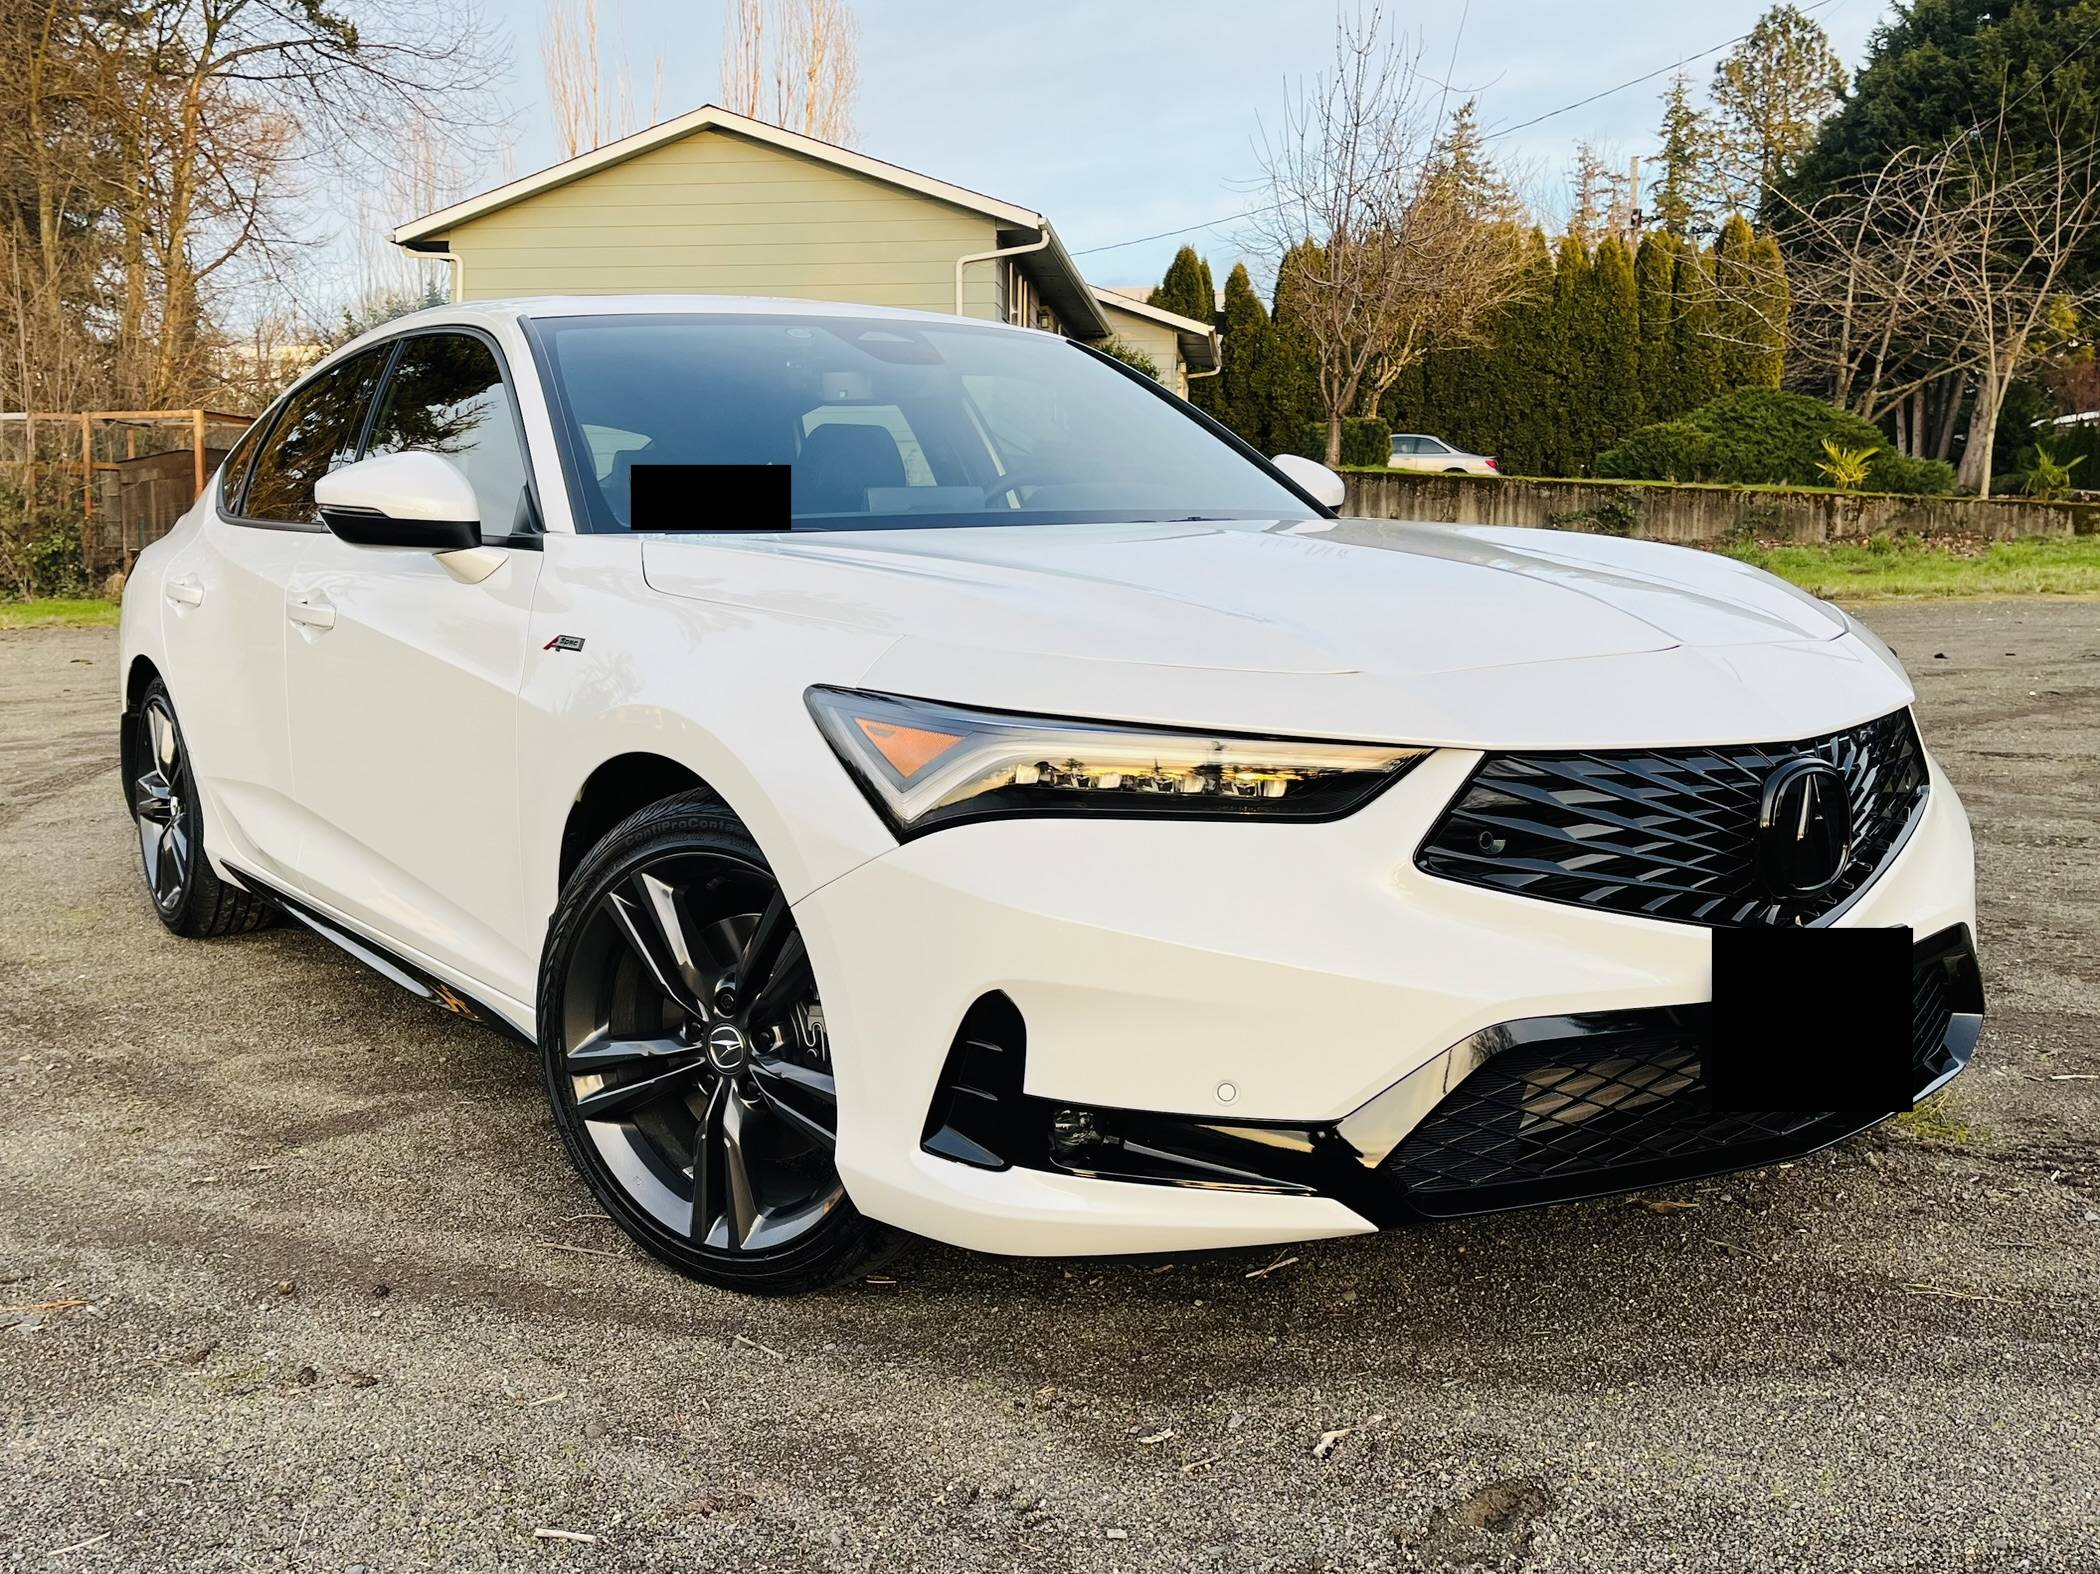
[(1619, 1100), (1670, 833)]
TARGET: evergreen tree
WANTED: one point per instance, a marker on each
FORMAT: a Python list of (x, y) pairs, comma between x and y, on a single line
[(1187, 290), (1654, 276), (1567, 394), (1749, 307), (1243, 386), (1685, 199), (1768, 264), (1294, 378), (1531, 395), (1589, 195), (1772, 91), (1616, 354), (1694, 347), (1937, 69), (1460, 160)]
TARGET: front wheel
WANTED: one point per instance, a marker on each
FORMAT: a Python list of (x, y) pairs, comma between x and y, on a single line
[(683, 1044)]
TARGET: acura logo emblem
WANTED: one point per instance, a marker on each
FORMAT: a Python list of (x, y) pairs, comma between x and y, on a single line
[(726, 1047), (1804, 828)]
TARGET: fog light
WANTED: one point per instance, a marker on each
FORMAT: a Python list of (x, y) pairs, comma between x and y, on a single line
[(1073, 1131)]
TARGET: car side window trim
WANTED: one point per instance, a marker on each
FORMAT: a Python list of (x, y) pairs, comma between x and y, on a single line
[(238, 515), (529, 541)]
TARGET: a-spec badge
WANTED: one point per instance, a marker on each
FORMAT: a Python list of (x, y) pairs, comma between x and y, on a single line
[(564, 642)]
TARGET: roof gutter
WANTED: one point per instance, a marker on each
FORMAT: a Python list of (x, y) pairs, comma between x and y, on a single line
[(1040, 243)]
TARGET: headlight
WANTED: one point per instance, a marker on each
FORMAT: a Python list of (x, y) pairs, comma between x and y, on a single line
[(925, 765)]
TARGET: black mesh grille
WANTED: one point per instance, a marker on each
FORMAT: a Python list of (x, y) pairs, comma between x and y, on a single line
[(1668, 834), (1624, 1103)]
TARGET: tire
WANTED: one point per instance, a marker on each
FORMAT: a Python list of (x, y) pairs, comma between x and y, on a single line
[(683, 1049), (188, 895)]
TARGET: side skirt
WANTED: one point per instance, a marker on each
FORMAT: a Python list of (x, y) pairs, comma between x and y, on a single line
[(387, 964)]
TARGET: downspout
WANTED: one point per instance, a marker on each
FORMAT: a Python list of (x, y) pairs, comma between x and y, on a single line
[(1190, 377), (1040, 243)]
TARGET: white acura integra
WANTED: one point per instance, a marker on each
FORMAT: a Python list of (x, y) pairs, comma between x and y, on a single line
[(912, 772)]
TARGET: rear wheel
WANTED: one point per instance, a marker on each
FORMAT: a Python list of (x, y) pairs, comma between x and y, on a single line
[(191, 900), (683, 1044)]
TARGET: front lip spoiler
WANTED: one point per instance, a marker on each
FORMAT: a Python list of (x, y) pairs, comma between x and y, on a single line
[(1356, 1160)]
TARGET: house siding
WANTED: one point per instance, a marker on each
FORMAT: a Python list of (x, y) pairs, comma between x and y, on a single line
[(718, 213), (1162, 343)]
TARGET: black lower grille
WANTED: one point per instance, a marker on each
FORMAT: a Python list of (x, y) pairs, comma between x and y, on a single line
[(1618, 1101), (1670, 833)]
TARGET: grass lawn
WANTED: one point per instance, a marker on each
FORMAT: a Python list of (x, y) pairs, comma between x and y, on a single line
[(58, 612), (2055, 566)]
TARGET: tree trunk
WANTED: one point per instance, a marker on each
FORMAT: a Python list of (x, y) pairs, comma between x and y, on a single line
[(1975, 473), (1334, 438), (1950, 407)]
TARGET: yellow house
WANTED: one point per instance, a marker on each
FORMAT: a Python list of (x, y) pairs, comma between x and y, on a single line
[(717, 203)]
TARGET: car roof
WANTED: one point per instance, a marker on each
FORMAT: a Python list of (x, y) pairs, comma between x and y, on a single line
[(688, 305), (486, 314)]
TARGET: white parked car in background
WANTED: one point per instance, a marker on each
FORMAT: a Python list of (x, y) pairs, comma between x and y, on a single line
[(906, 773), (1418, 451)]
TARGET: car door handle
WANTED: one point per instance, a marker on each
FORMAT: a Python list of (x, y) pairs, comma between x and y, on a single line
[(184, 592), (311, 613)]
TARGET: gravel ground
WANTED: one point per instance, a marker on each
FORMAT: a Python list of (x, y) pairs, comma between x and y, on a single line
[(346, 1307)]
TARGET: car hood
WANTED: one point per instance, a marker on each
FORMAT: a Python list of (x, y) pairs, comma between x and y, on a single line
[(1405, 619)]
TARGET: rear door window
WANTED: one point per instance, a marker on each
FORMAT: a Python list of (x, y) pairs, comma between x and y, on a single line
[(446, 397), (317, 431)]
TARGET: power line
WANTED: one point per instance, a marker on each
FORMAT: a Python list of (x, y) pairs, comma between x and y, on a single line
[(1676, 65), (1248, 213)]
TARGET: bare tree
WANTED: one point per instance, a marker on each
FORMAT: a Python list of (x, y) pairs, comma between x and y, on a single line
[(1378, 259), (1932, 282), (805, 78), (588, 111)]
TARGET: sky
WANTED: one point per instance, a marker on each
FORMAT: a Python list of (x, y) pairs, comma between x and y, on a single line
[(1120, 119)]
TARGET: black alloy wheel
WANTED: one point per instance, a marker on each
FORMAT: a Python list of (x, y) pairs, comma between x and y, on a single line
[(683, 1043), (162, 789), (161, 804)]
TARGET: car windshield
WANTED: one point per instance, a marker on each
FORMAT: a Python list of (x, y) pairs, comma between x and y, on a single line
[(884, 424)]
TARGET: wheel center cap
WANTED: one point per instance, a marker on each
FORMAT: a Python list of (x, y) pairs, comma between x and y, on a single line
[(727, 1047)]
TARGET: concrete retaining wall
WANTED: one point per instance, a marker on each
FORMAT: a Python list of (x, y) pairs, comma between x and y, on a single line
[(1703, 513)]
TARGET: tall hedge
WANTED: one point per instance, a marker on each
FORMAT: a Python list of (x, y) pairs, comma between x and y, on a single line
[(1596, 342)]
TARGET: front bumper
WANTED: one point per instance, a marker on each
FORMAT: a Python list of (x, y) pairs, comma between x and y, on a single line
[(1270, 982)]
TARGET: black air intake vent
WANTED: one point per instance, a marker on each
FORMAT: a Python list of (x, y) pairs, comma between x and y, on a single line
[(977, 1103), (1619, 1101)]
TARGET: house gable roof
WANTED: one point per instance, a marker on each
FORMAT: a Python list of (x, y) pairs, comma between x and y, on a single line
[(1199, 340), (1053, 268)]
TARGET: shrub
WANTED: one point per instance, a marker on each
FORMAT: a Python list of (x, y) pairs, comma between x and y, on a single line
[(1762, 437), (1366, 440), (2048, 478), (1130, 355), (1845, 468), (39, 549), (1894, 472), (1665, 451)]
